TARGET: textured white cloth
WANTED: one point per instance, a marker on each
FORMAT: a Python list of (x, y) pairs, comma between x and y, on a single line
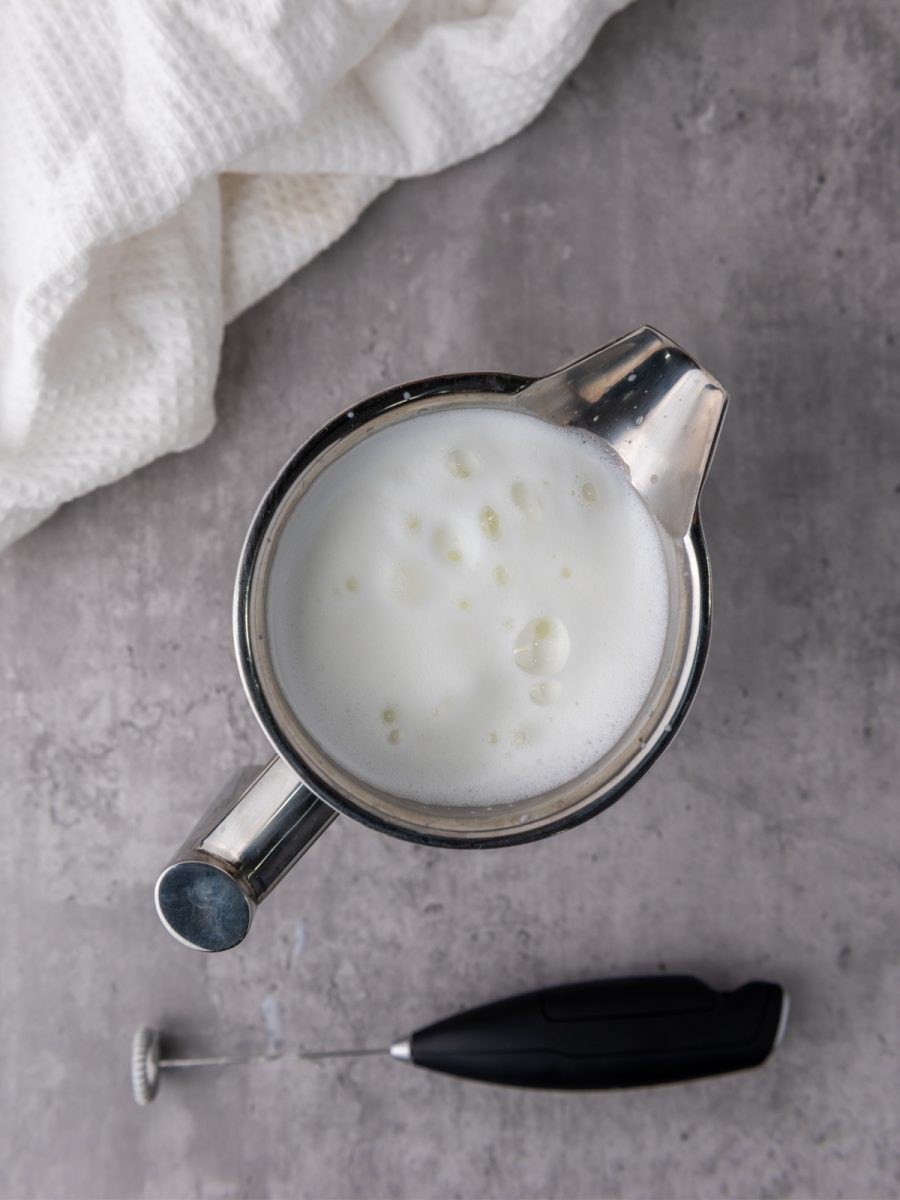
[(165, 163)]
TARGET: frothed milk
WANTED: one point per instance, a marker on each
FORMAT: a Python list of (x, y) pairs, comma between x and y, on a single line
[(469, 607)]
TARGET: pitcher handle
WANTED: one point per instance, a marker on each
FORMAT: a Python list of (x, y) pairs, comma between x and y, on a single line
[(239, 851)]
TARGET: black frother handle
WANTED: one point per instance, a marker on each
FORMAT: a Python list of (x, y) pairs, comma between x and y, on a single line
[(615, 1033)]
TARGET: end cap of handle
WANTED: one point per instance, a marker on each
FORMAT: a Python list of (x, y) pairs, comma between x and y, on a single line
[(203, 906)]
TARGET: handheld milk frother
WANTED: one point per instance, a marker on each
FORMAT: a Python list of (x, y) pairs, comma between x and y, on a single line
[(615, 1033)]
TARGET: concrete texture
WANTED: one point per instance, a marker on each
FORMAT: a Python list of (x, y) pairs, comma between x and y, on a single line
[(730, 174)]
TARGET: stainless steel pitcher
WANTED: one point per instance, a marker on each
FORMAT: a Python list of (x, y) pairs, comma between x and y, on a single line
[(661, 412)]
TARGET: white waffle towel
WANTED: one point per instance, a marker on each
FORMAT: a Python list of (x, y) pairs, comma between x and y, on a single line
[(165, 163)]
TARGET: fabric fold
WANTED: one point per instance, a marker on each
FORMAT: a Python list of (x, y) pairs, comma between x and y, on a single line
[(163, 165)]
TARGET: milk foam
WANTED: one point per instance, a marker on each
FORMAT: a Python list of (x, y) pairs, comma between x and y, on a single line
[(469, 607)]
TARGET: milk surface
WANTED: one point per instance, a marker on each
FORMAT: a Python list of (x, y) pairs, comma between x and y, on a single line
[(469, 607)]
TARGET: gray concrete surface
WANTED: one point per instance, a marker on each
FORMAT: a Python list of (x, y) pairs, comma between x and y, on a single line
[(729, 173)]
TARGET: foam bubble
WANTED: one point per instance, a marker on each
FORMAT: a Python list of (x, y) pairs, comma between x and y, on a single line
[(490, 523), (461, 463), (527, 502), (542, 647)]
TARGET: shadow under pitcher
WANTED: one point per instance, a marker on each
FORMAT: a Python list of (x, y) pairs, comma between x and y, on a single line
[(661, 412)]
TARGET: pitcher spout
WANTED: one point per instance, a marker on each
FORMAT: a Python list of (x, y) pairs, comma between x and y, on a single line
[(657, 407)]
